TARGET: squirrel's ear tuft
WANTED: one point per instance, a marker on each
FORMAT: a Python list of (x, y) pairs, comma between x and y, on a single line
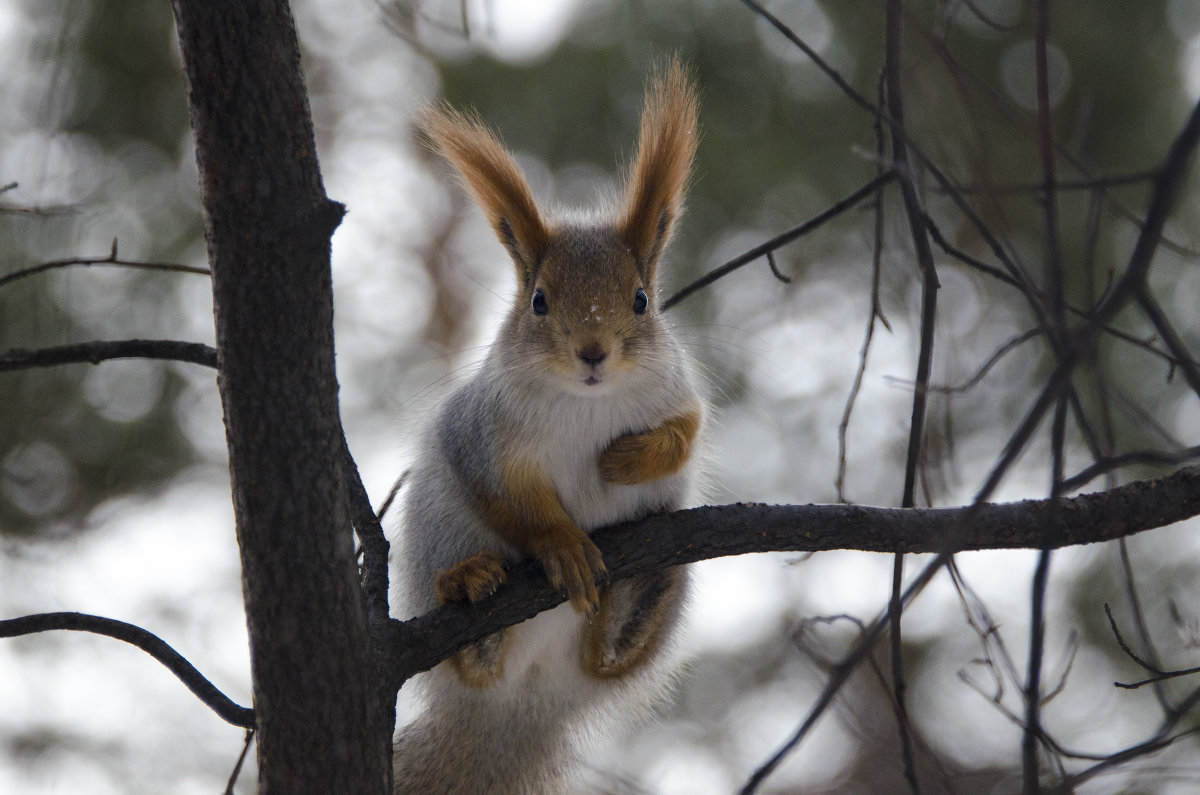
[(658, 176), (495, 181)]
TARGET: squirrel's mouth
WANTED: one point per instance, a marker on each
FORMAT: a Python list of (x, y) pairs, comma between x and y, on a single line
[(591, 380)]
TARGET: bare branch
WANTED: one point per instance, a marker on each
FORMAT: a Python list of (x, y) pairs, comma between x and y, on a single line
[(148, 642), (1058, 332), (1087, 184), (393, 492), (1109, 463), (1159, 674), (370, 535), (99, 351), (915, 213), (775, 269), (876, 313), (111, 259), (715, 531), (1010, 345), (241, 760), (1162, 201), (1181, 355), (854, 96), (21, 209), (1161, 677), (374, 571), (781, 240)]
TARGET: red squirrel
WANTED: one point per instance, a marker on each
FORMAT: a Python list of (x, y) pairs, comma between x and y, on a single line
[(584, 413)]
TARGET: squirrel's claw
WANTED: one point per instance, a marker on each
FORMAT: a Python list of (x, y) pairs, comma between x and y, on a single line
[(575, 567), (472, 579)]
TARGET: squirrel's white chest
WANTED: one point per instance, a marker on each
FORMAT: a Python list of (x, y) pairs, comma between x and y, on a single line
[(572, 461)]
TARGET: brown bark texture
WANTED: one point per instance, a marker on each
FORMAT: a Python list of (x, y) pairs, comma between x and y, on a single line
[(320, 722)]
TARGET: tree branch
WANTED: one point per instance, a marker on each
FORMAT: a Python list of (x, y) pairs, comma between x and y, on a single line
[(766, 249), (374, 572), (148, 642), (716, 531), (100, 351), (913, 211), (111, 259), (22, 209)]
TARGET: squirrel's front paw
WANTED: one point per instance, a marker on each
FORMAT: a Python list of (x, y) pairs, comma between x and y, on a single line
[(472, 579), (641, 457), (575, 566), (624, 461)]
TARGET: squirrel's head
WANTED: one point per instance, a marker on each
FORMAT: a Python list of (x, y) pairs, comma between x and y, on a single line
[(586, 307)]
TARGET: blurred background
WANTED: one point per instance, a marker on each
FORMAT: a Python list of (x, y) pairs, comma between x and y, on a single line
[(113, 484)]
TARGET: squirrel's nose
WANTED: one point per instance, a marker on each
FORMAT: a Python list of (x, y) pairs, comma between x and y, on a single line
[(592, 354)]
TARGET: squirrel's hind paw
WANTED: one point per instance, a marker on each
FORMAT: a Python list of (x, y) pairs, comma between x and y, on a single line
[(472, 579)]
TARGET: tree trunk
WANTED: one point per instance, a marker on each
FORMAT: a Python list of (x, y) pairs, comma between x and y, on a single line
[(320, 725)]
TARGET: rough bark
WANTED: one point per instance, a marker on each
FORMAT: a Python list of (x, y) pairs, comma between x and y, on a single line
[(320, 724)]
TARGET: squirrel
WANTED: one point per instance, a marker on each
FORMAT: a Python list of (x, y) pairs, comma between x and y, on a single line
[(584, 413)]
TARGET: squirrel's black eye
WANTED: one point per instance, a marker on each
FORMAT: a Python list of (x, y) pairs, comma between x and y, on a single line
[(639, 302), (540, 307)]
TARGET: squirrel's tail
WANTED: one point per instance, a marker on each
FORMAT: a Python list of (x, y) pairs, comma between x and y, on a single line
[(481, 750)]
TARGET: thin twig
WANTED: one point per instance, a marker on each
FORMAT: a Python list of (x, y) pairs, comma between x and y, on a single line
[(111, 259), (99, 351), (241, 760), (1166, 332), (21, 209), (897, 129), (1112, 623), (840, 674), (1159, 675), (1162, 200), (775, 269), (876, 313), (780, 240), (1037, 623), (1087, 184), (1035, 296), (148, 642), (1058, 332), (1106, 464), (893, 96), (1005, 106), (1162, 677), (1155, 744), (393, 493), (1009, 346), (374, 545)]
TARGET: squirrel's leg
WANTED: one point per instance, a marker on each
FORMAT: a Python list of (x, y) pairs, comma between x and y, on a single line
[(642, 457), (481, 663), (529, 515), (629, 626)]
